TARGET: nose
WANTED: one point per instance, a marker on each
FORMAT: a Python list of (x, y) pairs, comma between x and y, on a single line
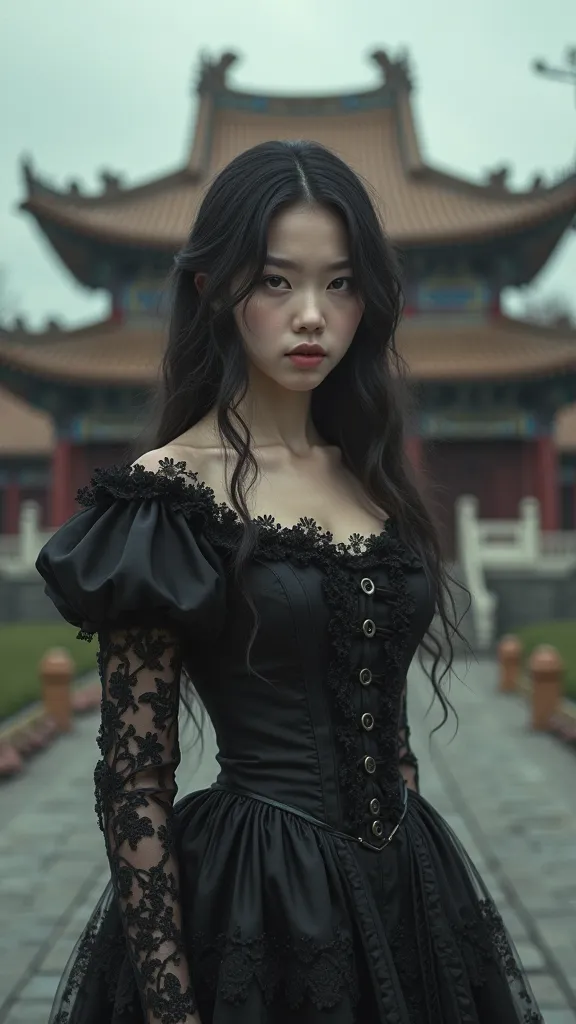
[(309, 317)]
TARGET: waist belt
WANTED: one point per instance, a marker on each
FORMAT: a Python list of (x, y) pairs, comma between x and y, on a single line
[(317, 821)]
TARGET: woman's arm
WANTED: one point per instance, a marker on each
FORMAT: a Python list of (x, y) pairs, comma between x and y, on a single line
[(406, 758), (135, 791)]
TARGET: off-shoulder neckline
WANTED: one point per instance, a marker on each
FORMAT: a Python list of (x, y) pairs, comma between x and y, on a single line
[(176, 482)]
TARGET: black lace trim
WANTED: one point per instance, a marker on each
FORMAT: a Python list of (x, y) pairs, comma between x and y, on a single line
[(304, 544), (286, 971), (135, 791), (181, 489)]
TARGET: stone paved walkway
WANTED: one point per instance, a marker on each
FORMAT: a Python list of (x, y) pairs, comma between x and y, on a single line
[(510, 795)]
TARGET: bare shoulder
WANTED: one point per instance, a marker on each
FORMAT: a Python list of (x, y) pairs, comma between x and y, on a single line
[(205, 463), (153, 459)]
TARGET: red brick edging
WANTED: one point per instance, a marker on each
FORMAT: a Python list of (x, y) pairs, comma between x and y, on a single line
[(20, 741)]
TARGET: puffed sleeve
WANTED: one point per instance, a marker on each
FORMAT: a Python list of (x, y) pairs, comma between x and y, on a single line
[(133, 571), (133, 561)]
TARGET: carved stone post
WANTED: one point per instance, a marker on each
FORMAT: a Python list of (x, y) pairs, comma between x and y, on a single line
[(509, 663), (547, 677), (56, 673)]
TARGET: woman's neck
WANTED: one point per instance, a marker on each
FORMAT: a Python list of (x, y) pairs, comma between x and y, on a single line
[(278, 417)]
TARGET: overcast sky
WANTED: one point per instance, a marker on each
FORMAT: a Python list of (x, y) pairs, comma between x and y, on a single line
[(86, 86)]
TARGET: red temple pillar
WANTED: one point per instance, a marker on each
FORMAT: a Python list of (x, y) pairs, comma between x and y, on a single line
[(62, 505), (12, 501), (547, 482), (415, 452)]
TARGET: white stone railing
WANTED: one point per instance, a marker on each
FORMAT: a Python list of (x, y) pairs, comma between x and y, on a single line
[(18, 552), (503, 544), (469, 548)]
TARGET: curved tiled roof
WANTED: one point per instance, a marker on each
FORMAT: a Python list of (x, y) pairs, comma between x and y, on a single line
[(116, 354), (373, 131), (491, 350), (103, 353), (23, 430)]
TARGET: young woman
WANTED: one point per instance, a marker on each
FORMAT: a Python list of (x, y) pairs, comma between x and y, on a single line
[(273, 550)]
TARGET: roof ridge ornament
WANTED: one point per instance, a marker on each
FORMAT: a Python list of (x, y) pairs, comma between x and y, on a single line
[(214, 72), (396, 73), (498, 178), (111, 183)]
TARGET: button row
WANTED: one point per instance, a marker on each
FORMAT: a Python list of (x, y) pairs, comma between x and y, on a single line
[(377, 826), (365, 677)]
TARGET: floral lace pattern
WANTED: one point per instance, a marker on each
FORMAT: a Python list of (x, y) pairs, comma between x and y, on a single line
[(135, 790), (287, 972)]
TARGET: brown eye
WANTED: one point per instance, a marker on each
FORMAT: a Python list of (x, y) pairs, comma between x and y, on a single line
[(275, 282), (342, 284)]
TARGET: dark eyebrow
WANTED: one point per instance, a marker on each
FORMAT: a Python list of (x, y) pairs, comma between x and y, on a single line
[(280, 261)]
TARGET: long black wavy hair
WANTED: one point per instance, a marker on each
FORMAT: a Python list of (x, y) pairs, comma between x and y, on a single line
[(362, 406)]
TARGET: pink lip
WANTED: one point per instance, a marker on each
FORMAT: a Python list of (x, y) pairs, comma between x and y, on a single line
[(306, 361), (307, 350)]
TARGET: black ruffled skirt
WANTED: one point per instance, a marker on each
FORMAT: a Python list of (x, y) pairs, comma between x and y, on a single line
[(286, 922)]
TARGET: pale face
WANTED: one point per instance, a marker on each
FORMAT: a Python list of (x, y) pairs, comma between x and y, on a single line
[(306, 298)]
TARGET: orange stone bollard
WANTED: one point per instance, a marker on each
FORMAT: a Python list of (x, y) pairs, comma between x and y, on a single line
[(509, 663), (547, 677), (56, 672)]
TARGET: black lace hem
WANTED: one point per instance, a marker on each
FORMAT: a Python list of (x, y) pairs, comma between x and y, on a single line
[(286, 971)]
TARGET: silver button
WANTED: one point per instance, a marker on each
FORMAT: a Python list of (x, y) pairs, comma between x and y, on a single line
[(367, 585), (368, 627), (375, 806), (365, 676), (370, 765), (367, 721), (377, 829)]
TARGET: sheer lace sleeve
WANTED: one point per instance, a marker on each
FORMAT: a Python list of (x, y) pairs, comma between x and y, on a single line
[(135, 791), (406, 758)]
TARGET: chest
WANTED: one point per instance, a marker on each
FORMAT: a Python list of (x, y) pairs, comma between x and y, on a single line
[(288, 489), (326, 494)]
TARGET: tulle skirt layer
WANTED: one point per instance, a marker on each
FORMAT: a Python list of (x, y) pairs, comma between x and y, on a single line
[(285, 922)]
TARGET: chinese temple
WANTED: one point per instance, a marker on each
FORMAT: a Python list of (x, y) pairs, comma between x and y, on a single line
[(490, 388)]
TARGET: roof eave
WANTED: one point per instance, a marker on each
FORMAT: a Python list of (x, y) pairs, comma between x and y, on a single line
[(43, 212)]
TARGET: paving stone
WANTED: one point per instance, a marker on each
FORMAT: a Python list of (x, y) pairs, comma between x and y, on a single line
[(530, 956), (41, 987), (547, 992), (28, 1013), (58, 956), (13, 974), (514, 924)]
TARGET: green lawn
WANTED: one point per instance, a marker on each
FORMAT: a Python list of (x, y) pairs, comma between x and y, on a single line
[(561, 635), (22, 645)]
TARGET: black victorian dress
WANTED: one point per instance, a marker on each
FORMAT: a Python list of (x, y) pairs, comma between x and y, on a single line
[(309, 884)]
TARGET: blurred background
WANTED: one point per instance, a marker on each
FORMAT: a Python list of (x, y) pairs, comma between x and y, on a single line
[(113, 118)]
